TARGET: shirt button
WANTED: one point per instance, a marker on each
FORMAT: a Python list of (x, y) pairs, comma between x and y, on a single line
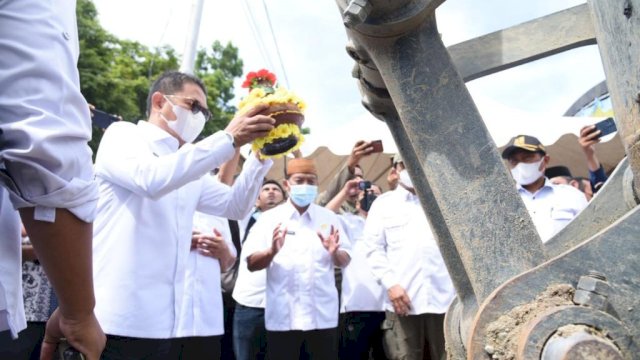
[(65, 35)]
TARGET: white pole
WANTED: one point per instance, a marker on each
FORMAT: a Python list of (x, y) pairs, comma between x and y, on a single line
[(189, 56)]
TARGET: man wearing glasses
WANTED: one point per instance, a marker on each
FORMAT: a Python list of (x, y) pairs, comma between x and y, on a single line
[(151, 179)]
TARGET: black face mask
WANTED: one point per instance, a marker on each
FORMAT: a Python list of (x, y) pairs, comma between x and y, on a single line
[(367, 200)]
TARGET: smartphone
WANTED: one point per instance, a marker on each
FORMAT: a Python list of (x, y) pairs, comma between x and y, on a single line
[(102, 119), (377, 146), (67, 352), (364, 185), (606, 127)]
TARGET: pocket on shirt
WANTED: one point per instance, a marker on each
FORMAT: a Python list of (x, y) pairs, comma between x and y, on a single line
[(394, 228), (562, 214)]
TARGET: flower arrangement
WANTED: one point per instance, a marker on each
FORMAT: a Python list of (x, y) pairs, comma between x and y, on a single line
[(284, 106)]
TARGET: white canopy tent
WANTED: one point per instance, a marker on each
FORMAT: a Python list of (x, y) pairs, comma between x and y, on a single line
[(559, 134)]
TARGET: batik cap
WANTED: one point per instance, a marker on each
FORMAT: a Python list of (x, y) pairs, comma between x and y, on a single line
[(301, 165)]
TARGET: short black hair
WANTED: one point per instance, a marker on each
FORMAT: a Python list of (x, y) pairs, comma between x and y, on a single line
[(554, 171), (171, 82), (271, 181)]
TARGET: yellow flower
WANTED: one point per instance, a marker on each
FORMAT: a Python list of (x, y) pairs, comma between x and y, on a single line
[(281, 95), (259, 96), (279, 132)]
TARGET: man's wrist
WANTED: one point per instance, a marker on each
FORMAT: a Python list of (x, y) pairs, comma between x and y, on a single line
[(231, 139)]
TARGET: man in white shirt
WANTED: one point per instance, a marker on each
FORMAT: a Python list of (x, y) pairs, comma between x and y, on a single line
[(299, 243), (405, 258), (151, 181), (362, 297), (201, 321), (550, 206), (249, 332), (45, 169)]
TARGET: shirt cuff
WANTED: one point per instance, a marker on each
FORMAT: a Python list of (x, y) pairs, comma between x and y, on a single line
[(389, 280), (230, 137), (260, 165), (215, 139)]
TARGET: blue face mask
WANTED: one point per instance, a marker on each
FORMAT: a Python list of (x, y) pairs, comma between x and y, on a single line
[(303, 195)]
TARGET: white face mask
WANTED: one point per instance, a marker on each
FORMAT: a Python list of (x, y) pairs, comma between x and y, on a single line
[(526, 174), (404, 178), (187, 124), (303, 195)]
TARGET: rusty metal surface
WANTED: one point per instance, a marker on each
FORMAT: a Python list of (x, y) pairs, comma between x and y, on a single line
[(580, 342), (549, 323), (527, 42), (607, 252), (617, 26), (385, 18), (496, 260), (448, 150), (603, 210)]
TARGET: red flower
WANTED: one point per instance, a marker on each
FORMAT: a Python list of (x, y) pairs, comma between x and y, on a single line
[(262, 77)]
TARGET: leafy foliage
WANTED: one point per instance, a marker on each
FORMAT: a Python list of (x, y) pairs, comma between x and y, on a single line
[(116, 74), (218, 66)]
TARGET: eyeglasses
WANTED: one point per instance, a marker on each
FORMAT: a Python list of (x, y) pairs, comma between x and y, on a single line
[(194, 106)]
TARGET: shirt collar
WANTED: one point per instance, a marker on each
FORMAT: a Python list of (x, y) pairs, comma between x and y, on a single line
[(406, 194), (292, 211), (161, 142), (547, 185)]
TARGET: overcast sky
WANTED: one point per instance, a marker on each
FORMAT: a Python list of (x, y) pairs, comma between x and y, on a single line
[(311, 40)]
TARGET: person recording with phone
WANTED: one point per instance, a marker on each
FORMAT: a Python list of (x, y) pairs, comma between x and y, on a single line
[(590, 135), (350, 170)]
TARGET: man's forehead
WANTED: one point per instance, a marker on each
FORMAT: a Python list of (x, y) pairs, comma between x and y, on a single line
[(192, 90), (303, 175), (270, 186)]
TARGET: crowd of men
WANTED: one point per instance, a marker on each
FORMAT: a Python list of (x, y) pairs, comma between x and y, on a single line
[(159, 251)]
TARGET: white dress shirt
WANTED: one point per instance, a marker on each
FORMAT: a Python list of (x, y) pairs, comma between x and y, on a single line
[(401, 249), (45, 121), (12, 315), (360, 290), (202, 310), (251, 286), (552, 207), (44, 129), (301, 291), (149, 192)]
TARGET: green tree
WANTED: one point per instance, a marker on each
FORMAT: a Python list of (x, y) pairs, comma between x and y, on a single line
[(218, 66), (116, 74)]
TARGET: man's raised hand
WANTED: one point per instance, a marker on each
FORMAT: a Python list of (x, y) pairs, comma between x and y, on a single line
[(249, 126), (331, 242)]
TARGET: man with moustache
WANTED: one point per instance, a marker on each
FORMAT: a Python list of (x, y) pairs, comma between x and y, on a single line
[(299, 243), (151, 180)]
